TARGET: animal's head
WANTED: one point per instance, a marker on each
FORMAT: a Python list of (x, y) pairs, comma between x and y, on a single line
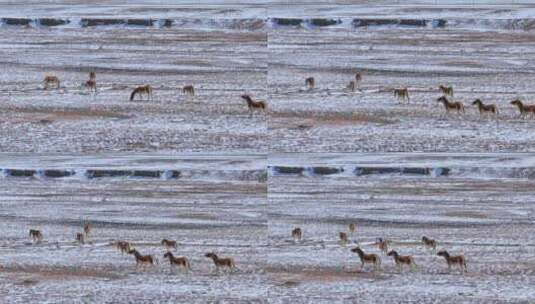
[(246, 97), (392, 253), (443, 253), (424, 238), (442, 99), (357, 250), (164, 241), (167, 255), (516, 102), (477, 101), (210, 255), (132, 251)]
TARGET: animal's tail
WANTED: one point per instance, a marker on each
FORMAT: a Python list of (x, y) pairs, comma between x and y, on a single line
[(133, 95)]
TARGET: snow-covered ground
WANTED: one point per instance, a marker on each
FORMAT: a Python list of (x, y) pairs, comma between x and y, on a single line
[(222, 63), (487, 59), (487, 217), (205, 213)]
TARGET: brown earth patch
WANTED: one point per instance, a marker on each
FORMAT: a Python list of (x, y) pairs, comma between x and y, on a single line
[(468, 214)]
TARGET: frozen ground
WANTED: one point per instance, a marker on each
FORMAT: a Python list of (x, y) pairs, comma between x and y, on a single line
[(203, 212), (222, 62), (487, 216), (486, 59)]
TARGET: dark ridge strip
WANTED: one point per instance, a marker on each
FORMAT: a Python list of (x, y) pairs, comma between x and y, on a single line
[(324, 22), (85, 22), (436, 23), (140, 22), (174, 174), (360, 171), (326, 170), (107, 173), (17, 21), (287, 21), (58, 173), (166, 23), (288, 170), (20, 173), (146, 173), (52, 22), (369, 171), (422, 171)]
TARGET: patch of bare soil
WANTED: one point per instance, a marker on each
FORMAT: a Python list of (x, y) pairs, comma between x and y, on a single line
[(291, 277), (308, 119), (467, 214), (48, 115), (39, 273)]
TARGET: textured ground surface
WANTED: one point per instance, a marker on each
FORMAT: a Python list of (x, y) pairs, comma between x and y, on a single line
[(221, 63), (486, 213), (479, 62), (211, 209)]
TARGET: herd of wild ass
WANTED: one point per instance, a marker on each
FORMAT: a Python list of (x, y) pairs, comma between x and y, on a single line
[(52, 81), (402, 94), (383, 246), (297, 235), (148, 260)]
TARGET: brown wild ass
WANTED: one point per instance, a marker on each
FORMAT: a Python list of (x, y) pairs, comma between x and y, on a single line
[(454, 260), (523, 109), (352, 86), (36, 235), (80, 238), (91, 84), (177, 261), (358, 78), (483, 108), (142, 259), (253, 105), (297, 234), (402, 259), (144, 89), (221, 262), (188, 90), (382, 245), (451, 106), (402, 94), (123, 246), (447, 91), (51, 80), (169, 244), (87, 229), (367, 258), (310, 83), (429, 243)]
